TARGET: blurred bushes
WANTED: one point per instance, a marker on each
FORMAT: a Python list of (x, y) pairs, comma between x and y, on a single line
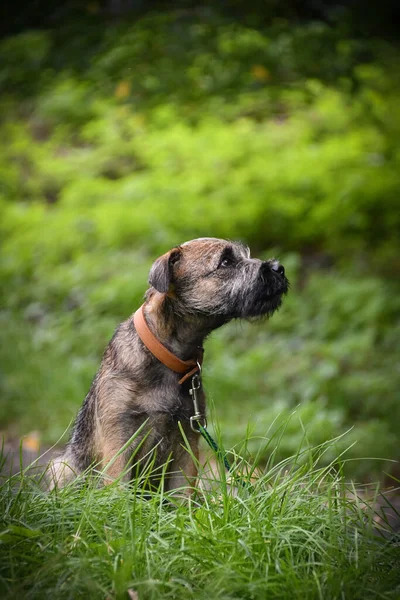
[(120, 142)]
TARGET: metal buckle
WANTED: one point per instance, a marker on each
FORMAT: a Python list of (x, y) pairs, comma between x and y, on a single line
[(197, 417)]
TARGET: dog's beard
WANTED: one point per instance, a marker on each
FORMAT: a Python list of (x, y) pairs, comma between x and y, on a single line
[(264, 298), (263, 307)]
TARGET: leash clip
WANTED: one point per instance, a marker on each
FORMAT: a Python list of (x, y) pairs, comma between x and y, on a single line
[(197, 418)]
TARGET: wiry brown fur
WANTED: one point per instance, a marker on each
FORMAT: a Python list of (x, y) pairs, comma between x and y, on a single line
[(195, 288)]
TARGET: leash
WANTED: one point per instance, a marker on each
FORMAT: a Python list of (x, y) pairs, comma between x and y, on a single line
[(201, 421), (213, 444), (198, 424)]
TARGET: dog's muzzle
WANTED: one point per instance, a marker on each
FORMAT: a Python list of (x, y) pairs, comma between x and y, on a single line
[(272, 275)]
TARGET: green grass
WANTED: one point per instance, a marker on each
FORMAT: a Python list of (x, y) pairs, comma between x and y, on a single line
[(292, 533)]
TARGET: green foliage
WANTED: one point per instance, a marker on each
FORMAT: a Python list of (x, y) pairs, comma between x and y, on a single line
[(22, 58), (120, 142)]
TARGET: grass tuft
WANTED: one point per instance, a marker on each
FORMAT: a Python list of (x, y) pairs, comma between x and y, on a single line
[(295, 531)]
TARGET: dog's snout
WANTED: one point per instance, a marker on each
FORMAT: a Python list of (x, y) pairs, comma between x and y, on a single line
[(273, 265), (278, 268)]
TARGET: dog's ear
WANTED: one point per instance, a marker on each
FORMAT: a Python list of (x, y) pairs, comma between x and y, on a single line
[(161, 273)]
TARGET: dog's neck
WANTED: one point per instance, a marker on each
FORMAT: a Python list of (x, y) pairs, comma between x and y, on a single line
[(181, 333)]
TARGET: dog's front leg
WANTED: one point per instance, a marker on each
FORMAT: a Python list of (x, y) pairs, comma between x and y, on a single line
[(182, 472)]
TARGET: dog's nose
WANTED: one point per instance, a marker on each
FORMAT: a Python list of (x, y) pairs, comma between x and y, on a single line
[(278, 268)]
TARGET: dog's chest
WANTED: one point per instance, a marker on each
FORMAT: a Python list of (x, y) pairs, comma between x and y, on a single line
[(176, 402)]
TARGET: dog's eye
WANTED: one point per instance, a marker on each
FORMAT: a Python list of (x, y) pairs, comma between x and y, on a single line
[(226, 262)]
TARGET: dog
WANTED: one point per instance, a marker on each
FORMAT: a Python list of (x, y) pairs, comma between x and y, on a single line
[(149, 379)]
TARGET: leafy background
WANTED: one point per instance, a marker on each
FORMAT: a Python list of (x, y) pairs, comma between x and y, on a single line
[(124, 137)]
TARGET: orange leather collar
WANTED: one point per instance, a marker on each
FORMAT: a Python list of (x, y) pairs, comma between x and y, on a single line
[(189, 367)]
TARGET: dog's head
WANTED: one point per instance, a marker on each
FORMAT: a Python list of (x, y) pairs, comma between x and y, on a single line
[(217, 278)]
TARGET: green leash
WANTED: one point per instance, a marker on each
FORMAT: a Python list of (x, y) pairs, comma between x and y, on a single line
[(221, 454), (213, 444), (198, 423)]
